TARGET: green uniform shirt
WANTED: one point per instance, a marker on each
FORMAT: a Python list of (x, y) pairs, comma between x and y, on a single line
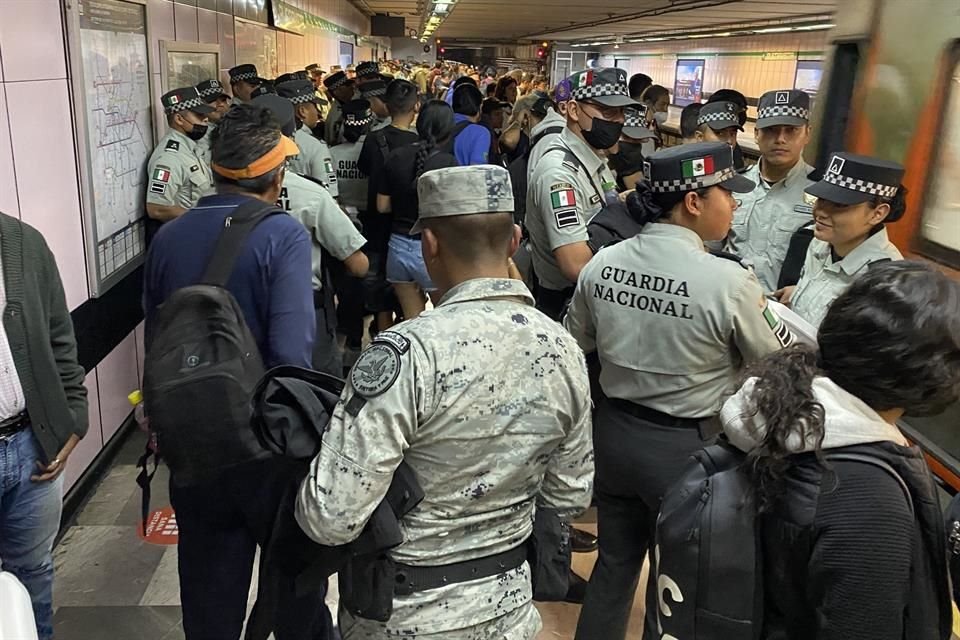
[(351, 182), (671, 323), (314, 160), (822, 279), (767, 218), (176, 175), (329, 226), (563, 194)]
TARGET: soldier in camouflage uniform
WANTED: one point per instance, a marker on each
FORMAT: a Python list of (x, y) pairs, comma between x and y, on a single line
[(486, 399)]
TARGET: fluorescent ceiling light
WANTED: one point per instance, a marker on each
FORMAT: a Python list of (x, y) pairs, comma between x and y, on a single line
[(774, 30), (815, 27), (441, 7)]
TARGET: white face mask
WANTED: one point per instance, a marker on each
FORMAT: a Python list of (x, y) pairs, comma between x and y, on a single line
[(660, 117)]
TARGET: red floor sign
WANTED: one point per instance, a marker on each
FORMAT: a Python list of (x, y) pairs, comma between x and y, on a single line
[(161, 527)]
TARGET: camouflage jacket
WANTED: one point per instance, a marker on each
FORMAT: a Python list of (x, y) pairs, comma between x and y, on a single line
[(488, 401)]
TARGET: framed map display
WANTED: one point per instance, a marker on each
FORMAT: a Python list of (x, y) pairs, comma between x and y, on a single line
[(110, 66), (186, 64)]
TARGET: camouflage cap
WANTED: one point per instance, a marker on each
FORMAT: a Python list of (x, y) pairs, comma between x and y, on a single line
[(460, 191)]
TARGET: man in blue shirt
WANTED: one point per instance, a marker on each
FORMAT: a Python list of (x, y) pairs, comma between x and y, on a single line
[(271, 279), (221, 522), (472, 140)]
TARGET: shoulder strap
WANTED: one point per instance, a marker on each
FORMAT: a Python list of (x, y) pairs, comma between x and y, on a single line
[(543, 134), (236, 228), (381, 137), (877, 462)]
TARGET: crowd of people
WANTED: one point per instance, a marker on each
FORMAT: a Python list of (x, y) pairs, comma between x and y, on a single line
[(601, 307)]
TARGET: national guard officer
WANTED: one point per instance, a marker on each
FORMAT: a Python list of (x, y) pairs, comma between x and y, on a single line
[(568, 186), (176, 175), (494, 423), (330, 229), (316, 75), (671, 325), (374, 91), (857, 196), (353, 185), (243, 80), (367, 72), (768, 216), (340, 89), (314, 159), (213, 94), (719, 122)]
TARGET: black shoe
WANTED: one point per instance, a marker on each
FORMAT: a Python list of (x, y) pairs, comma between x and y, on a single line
[(581, 541), (577, 589)]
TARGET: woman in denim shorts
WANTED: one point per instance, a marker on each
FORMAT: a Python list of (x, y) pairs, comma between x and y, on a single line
[(397, 195)]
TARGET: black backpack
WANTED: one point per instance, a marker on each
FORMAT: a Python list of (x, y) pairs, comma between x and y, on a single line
[(518, 175), (203, 365), (707, 554)]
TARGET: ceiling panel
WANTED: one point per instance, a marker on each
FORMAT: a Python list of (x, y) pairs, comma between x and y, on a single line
[(572, 20)]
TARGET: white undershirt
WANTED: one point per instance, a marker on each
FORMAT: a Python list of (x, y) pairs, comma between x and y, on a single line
[(12, 401)]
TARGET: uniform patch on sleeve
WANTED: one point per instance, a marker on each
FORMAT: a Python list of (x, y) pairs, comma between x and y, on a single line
[(376, 370), (562, 196), (566, 218), (161, 174), (399, 342), (158, 187), (172, 145), (803, 208), (779, 328), (328, 167)]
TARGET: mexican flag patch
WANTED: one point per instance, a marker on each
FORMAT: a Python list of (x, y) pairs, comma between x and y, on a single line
[(161, 175), (562, 196), (697, 167)]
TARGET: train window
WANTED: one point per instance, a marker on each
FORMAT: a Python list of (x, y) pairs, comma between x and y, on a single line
[(941, 216), (838, 97)]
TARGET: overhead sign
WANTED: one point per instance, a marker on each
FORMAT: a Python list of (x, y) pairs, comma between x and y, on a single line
[(290, 18), (780, 55)]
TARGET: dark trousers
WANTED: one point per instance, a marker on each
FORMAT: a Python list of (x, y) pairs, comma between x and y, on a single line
[(553, 303), (220, 525), (327, 357), (636, 461)]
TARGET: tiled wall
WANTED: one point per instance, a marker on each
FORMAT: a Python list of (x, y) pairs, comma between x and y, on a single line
[(38, 167), (739, 66)]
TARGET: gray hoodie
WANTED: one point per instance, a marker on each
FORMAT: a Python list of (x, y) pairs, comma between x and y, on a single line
[(847, 420)]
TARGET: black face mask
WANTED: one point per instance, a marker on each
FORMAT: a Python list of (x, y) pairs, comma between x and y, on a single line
[(603, 135), (197, 132), (628, 160)]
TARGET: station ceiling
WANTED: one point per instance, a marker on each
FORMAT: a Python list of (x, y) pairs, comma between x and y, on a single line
[(512, 21)]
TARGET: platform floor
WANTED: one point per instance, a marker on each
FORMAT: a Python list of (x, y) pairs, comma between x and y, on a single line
[(112, 585)]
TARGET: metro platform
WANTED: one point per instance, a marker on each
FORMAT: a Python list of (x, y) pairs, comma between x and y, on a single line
[(111, 584)]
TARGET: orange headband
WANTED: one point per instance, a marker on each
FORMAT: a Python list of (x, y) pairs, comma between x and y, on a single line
[(264, 164)]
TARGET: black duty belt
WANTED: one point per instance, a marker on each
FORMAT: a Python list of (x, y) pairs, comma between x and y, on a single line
[(654, 416), (410, 579), (14, 424)]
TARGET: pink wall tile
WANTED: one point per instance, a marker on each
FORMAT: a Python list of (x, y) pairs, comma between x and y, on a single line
[(161, 23), (91, 445), (159, 119), (47, 182), (185, 23), (8, 185), (31, 39), (207, 26), (117, 376), (141, 350)]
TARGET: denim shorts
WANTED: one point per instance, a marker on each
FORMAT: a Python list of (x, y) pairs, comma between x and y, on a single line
[(405, 262)]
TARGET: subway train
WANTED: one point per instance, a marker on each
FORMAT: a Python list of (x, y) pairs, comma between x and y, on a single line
[(891, 88)]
